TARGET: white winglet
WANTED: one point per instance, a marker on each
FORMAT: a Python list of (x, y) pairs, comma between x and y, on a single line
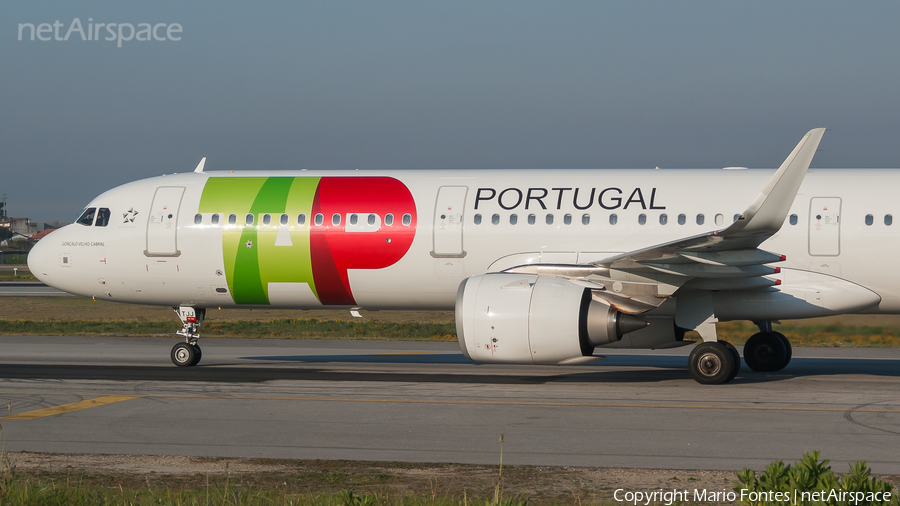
[(200, 165), (767, 212)]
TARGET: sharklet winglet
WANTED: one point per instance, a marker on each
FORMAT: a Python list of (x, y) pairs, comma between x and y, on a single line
[(200, 165)]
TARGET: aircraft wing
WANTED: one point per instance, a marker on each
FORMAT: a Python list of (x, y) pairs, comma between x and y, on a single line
[(726, 259)]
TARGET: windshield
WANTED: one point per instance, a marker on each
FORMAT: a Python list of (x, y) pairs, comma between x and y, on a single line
[(87, 217)]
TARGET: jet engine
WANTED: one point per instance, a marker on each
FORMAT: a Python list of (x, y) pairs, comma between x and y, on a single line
[(530, 319)]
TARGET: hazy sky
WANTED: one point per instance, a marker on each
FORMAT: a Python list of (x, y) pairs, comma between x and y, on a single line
[(490, 84)]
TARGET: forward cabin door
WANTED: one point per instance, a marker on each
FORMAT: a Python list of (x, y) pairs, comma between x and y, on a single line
[(162, 224), (448, 221), (825, 226)]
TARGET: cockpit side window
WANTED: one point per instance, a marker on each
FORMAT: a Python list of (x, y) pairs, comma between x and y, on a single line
[(87, 217), (102, 217)]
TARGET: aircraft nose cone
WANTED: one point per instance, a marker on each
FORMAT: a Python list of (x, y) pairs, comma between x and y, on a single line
[(37, 261)]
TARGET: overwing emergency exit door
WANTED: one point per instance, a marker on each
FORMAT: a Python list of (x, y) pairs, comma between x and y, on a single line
[(162, 224), (448, 221), (825, 226)]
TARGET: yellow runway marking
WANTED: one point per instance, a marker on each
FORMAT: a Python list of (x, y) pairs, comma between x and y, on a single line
[(74, 406), (399, 353), (451, 402)]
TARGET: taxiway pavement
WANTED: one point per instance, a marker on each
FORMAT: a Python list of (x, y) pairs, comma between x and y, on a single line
[(424, 402)]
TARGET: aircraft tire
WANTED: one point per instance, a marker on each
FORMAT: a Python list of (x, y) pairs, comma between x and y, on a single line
[(766, 352), (735, 356), (184, 355), (788, 352), (711, 363), (199, 354)]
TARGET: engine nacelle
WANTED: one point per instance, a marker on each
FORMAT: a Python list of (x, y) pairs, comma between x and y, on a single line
[(530, 319)]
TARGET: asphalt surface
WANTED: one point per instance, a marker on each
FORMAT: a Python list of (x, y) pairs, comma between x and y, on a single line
[(29, 289), (425, 402)]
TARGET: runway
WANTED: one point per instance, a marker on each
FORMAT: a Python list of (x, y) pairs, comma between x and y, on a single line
[(424, 402), (29, 289)]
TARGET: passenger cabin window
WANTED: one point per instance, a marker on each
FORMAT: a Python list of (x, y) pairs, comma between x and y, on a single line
[(248, 219), (682, 219), (198, 219), (613, 219), (737, 217), (102, 217), (513, 219), (215, 219), (477, 219), (869, 219), (335, 219), (720, 220), (642, 219), (284, 219), (389, 219), (663, 219), (301, 219), (319, 220), (371, 219), (531, 219), (888, 219), (495, 219), (232, 219), (407, 220), (549, 219), (354, 219), (87, 217), (700, 219), (793, 219), (567, 219), (585, 219), (267, 218)]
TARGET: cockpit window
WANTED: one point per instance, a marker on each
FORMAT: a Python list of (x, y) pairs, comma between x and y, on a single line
[(87, 217), (102, 217)]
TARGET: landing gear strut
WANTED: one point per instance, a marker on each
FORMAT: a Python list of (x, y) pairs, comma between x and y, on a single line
[(188, 353), (767, 350)]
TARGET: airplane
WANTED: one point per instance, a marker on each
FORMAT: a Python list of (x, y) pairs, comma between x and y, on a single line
[(540, 266)]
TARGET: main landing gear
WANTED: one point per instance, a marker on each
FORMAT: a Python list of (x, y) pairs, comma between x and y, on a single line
[(767, 350), (717, 362), (188, 353)]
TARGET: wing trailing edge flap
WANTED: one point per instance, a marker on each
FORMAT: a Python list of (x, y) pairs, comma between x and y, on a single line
[(726, 259)]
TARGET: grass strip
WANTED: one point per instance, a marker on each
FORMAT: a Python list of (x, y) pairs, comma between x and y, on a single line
[(833, 335), (21, 275), (287, 328)]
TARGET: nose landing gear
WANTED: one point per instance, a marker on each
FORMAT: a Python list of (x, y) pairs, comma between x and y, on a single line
[(188, 353)]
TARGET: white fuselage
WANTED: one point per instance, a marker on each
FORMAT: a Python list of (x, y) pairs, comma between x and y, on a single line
[(826, 233)]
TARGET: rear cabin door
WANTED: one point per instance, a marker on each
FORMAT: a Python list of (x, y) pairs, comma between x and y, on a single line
[(162, 229), (825, 226), (448, 221)]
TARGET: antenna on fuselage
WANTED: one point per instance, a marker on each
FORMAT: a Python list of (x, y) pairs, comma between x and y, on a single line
[(200, 165)]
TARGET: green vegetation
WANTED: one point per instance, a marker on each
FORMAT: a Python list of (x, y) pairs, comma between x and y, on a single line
[(834, 335), (21, 275), (811, 481), (66, 489), (302, 328), (16, 258)]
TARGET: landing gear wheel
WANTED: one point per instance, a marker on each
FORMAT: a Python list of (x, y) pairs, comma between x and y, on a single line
[(787, 347), (200, 353), (766, 352), (734, 356), (711, 363), (185, 355)]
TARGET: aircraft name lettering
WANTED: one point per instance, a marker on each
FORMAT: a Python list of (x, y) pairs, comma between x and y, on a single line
[(82, 243), (580, 198)]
